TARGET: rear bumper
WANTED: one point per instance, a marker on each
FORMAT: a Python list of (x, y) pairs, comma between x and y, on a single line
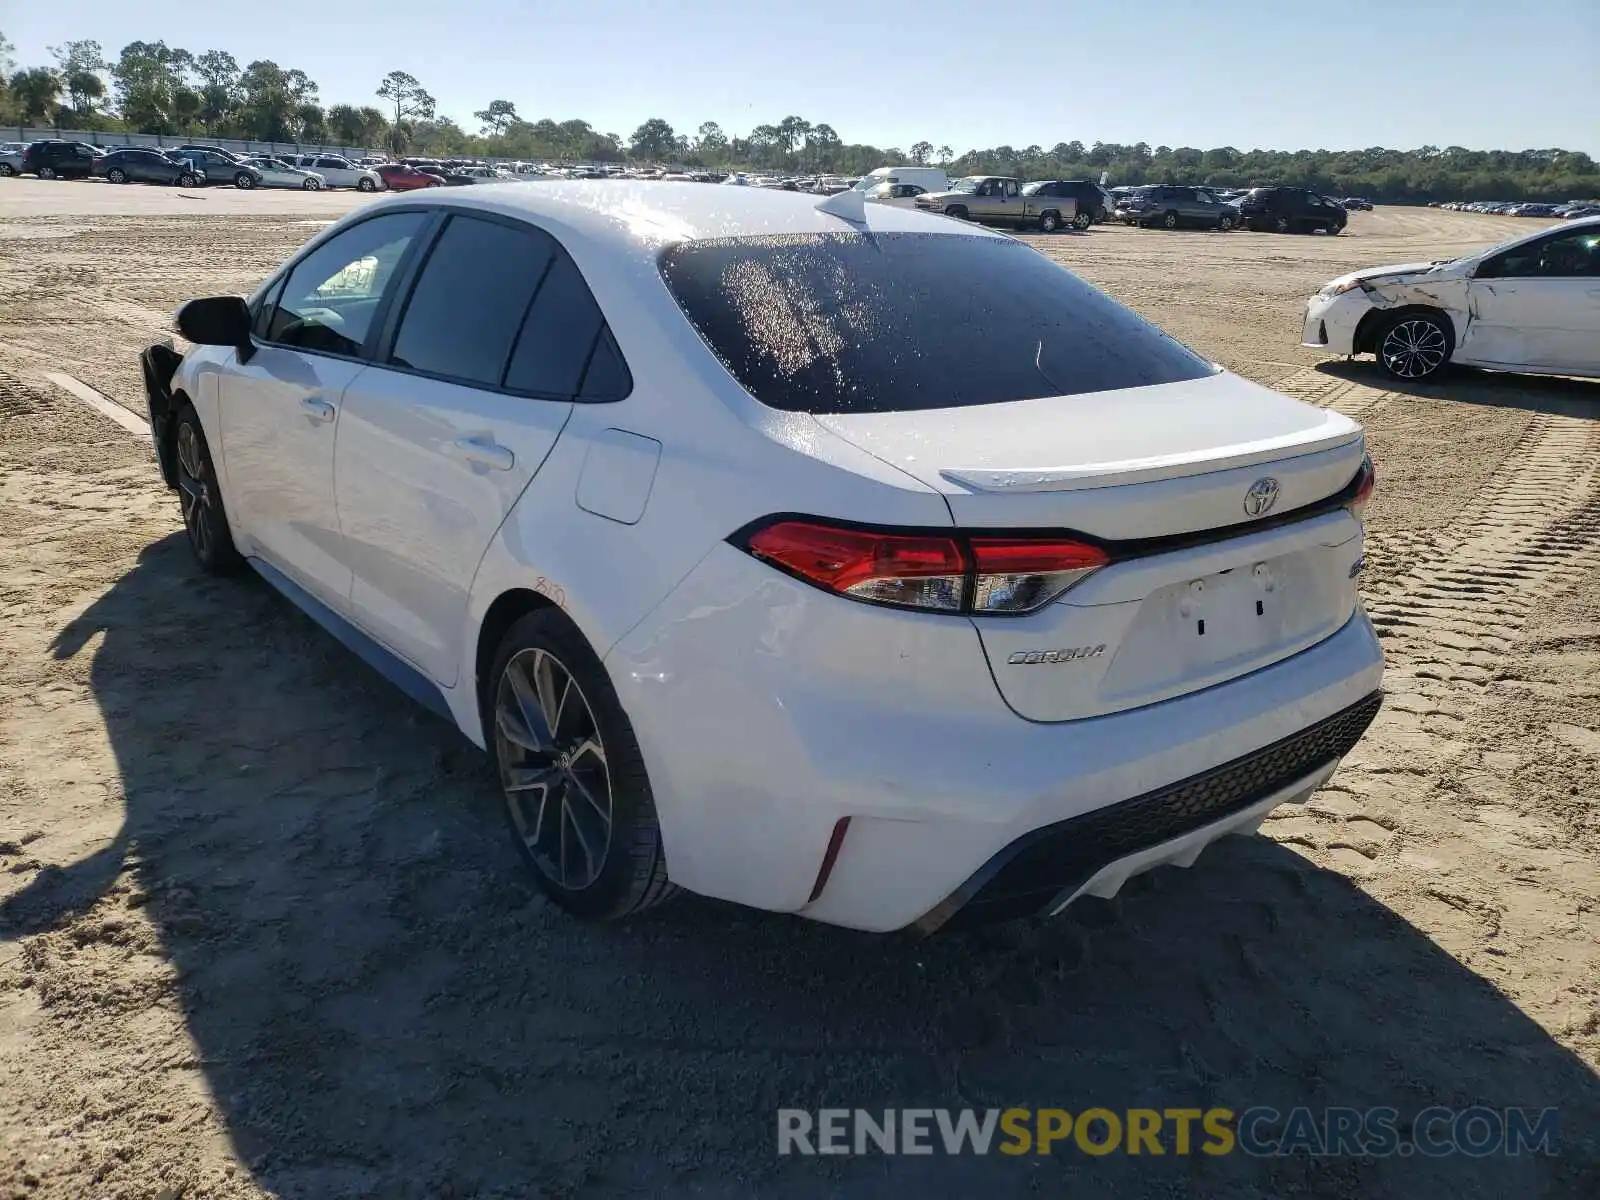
[(1045, 870), (769, 712)]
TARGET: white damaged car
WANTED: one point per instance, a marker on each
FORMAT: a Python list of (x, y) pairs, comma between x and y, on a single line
[(1532, 305)]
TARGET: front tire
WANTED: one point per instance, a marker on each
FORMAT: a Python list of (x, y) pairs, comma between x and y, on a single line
[(47, 173), (958, 211), (1282, 225), (1169, 220), (366, 185), (200, 498), (7, 170), (311, 185), (1414, 345), (244, 182), (577, 796), (1224, 223), (188, 180)]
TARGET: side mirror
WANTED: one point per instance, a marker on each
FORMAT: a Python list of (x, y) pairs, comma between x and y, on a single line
[(217, 321)]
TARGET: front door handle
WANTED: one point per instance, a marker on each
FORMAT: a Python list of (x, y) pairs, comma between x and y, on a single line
[(319, 411), (482, 451)]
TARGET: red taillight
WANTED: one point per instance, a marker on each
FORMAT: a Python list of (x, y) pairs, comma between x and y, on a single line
[(1366, 480), (1021, 574), (933, 572), (914, 571)]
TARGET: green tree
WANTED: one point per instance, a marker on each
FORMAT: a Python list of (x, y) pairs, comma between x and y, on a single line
[(144, 80), (500, 116), (79, 64), (944, 155), (36, 91), (219, 73), (654, 141), (921, 152), (410, 99)]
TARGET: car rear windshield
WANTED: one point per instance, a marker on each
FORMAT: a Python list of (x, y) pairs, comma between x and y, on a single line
[(849, 322)]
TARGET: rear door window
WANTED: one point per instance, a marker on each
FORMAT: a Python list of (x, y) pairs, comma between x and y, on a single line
[(565, 349), (842, 323), (470, 299)]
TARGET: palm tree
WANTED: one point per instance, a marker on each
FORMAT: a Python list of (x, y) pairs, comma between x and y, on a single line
[(37, 92), (945, 155)]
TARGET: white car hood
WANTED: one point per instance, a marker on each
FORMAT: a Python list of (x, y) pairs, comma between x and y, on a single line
[(1403, 273), (1098, 439)]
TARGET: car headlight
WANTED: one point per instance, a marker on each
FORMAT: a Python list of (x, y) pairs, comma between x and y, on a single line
[(1339, 289)]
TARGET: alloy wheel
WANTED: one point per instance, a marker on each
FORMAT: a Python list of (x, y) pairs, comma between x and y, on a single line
[(1414, 348), (194, 492), (553, 768)]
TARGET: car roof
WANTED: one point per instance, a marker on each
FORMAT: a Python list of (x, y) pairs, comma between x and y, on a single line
[(660, 212)]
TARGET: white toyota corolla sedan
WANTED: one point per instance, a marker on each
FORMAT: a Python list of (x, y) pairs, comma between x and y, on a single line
[(1531, 304), (830, 558)]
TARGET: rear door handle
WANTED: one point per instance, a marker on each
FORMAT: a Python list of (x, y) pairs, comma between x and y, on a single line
[(317, 409), (484, 452)]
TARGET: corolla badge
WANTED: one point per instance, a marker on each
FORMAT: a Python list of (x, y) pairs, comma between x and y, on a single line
[(1263, 494)]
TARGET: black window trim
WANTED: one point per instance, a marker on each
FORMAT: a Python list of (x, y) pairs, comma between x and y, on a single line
[(388, 319)]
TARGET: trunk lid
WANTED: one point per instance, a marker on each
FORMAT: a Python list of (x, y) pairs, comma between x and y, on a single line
[(1135, 463), (1167, 616)]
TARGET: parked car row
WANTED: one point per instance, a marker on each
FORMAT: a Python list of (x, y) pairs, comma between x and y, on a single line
[(1571, 210), (183, 166)]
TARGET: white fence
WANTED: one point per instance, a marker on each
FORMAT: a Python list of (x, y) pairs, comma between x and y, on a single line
[(107, 138)]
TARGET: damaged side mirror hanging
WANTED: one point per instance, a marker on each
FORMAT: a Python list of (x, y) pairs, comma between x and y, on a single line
[(217, 321)]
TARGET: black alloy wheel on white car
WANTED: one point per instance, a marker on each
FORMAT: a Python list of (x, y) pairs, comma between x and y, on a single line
[(577, 796), (1414, 345), (200, 499)]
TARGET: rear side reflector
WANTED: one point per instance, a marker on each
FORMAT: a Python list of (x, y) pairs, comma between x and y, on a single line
[(926, 571)]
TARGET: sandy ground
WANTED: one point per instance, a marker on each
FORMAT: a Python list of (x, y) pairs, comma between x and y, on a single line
[(262, 933)]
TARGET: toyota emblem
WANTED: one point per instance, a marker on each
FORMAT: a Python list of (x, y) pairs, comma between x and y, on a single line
[(1263, 494)]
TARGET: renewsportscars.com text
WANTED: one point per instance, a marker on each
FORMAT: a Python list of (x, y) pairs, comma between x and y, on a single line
[(1476, 1132)]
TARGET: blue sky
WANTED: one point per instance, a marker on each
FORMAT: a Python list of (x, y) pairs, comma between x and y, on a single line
[(1485, 74)]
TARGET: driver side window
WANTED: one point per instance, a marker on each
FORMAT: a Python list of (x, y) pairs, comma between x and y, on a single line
[(329, 300), (1567, 255)]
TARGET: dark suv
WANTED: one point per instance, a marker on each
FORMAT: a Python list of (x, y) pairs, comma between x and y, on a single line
[(53, 159), (1291, 210), (1173, 206), (1094, 202)]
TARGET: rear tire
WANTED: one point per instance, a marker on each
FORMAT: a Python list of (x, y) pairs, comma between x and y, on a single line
[(205, 519), (1082, 221), (1049, 222), (1414, 345), (577, 796), (116, 175), (958, 211)]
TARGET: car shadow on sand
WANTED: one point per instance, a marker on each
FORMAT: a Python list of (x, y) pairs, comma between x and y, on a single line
[(385, 1007), (1557, 395)]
